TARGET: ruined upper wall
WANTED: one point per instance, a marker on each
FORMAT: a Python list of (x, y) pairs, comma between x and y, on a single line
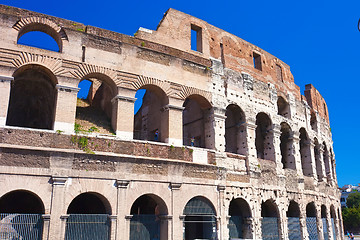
[(316, 101)]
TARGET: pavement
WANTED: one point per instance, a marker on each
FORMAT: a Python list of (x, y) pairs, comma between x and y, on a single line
[(356, 237)]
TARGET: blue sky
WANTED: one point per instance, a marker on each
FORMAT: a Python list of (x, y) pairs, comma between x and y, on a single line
[(318, 39)]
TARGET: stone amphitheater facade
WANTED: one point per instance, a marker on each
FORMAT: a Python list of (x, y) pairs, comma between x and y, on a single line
[(224, 145)]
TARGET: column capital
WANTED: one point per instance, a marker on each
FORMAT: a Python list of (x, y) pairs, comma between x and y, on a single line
[(221, 188), (112, 217), (6, 79), (122, 183), (175, 186), (45, 217), (67, 88), (173, 107), (58, 180), (123, 98)]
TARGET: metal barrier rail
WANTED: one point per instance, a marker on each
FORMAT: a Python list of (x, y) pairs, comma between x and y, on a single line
[(16, 226)]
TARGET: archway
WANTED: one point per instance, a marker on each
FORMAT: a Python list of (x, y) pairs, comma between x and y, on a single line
[(151, 120), (305, 153), (293, 216), (88, 218), (39, 39), (286, 146), (200, 219), (270, 220), (196, 122), (324, 222), (235, 130), (94, 109), (21, 215), (283, 107), (311, 223), (239, 222), (264, 137), (147, 221), (32, 98)]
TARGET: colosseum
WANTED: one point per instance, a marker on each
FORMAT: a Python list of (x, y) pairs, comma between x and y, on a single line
[(223, 145)]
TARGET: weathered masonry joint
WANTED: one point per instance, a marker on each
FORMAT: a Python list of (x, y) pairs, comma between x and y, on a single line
[(223, 145)]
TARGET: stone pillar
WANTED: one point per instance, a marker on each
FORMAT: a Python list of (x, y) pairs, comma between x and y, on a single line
[(122, 224), (303, 227), (122, 119), (113, 227), (176, 226), (172, 119), (319, 223), (313, 161), (252, 163), (62, 226), (322, 163), (221, 212), (296, 153), (46, 226), (5, 87), (329, 225), (215, 130), (57, 223), (276, 144), (65, 109), (282, 222)]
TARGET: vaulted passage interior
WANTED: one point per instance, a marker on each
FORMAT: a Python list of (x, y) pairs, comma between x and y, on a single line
[(305, 153), (32, 98), (286, 146), (264, 137), (311, 223), (293, 215), (239, 222), (235, 130), (270, 220)]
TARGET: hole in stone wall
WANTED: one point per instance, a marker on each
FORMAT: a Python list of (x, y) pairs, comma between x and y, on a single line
[(196, 38), (283, 107), (39, 40), (257, 61)]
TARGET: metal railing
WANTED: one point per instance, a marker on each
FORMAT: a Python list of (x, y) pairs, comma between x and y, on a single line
[(15, 226)]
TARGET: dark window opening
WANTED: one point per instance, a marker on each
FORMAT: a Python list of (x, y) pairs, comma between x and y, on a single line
[(313, 122), (279, 74), (235, 130), (39, 40), (283, 107), (286, 147), (196, 38), (264, 137), (257, 61), (305, 153), (269, 221), (239, 227)]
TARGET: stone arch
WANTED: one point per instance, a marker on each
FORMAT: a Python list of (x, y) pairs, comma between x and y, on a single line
[(235, 130), (186, 92), (88, 217), (151, 122), (293, 216), (239, 222), (305, 153), (264, 137), (200, 219), (147, 221), (96, 110), (21, 201), (196, 122), (30, 24), (318, 157), (143, 81), (311, 222), (286, 146), (270, 226), (32, 98), (283, 107)]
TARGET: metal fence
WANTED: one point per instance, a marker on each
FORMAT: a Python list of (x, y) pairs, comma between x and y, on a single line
[(235, 227), (325, 229), (14, 226), (87, 227), (312, 228), (145, 227), (270, 228), (294, 228)]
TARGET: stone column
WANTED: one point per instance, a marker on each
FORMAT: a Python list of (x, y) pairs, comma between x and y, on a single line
[(46, 226), (172, 124), (321, 160), (296, 153), (122, 119), (319, 223), (122, 224), (5, 87), (176, 226), (62, 226), (252, 163), (313, 161), (276, 144), (329, 225), (283, 222), (302, 220), (65, 109), (221, 212), (113, 227), (216, 129), (57, 223)]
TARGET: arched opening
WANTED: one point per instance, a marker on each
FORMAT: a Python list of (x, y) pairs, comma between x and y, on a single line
[(334, 222), (313, 122), (94, 110), (286, 146), (264, 137), (40, 36), (39, 40), (324, 222), (147, 221), (200, 219), (311, 224), (283, 107), (32, 98), (305, 153), (293, 216), (239, 222), (333, 164), (151, 120), (88, 218), (235, 130), (317, 154), (326, 158), (270, 220), (196, 122), (21, 215)]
